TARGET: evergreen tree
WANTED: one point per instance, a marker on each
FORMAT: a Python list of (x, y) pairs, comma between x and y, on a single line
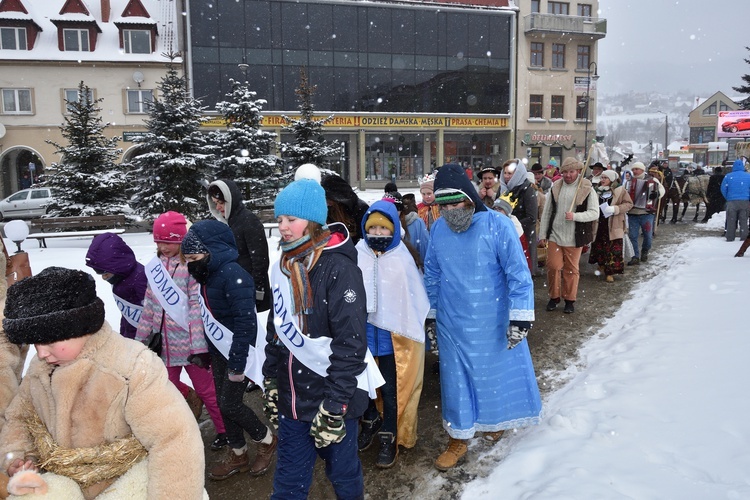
[(168, 174), (745, 88), (87, 181), (244, 152), (309, 145)]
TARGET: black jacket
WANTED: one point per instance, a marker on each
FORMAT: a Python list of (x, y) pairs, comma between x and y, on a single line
[(249, 236), (229, 291), (339, 312)]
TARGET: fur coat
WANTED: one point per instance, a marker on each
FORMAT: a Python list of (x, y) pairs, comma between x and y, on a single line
[(114, 388)]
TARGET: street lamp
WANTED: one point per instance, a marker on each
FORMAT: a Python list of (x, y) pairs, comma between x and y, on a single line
[(666, 132), (585, 101)]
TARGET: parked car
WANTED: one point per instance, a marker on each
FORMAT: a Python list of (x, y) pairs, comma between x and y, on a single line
[(26, 204), (734, 126)]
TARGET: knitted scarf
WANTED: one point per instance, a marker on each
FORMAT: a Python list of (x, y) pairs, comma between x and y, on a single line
[(297, 258)]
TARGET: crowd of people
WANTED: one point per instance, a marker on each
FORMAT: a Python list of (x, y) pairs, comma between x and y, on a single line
[(359, 295)]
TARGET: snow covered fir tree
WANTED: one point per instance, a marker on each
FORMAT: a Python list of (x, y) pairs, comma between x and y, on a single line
[(244, 153), (87, 181), (308, 146), (745, 88), (175, 154)]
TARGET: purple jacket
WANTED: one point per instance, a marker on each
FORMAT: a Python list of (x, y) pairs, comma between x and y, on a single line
[(109, 253)]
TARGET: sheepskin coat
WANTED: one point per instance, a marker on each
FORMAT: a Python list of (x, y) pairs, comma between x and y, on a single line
[(114, 388)]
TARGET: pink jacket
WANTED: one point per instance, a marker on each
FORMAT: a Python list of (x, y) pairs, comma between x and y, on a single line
[(177, 343)]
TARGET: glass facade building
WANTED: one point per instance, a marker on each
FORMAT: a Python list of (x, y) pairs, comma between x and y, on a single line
[(373, 59)]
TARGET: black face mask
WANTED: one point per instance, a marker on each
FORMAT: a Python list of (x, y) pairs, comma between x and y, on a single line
[(115, 279), (199, 269), (378, 243)]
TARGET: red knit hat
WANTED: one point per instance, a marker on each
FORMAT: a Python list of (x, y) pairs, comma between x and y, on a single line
[(170, 227)]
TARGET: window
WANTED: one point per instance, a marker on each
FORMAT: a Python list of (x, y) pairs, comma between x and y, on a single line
[(537, 54), (558, 107), (558, 55), (582, 108), (19, 196), (584, 10), (536, 103), (76, 40), (138, 99), (710, 110), (71, 97), (558, 8), (535, 6), (136, 41), (584, 57), (13, 39), (723, 106), (37, 194), (16, 101)]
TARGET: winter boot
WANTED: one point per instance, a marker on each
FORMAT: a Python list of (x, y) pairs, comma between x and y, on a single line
[(388, 450), (552, 304), (493, 436), (231, 464), (644, 256), (194, 402), (369, 429), (219, 442), (610, 278), (741, 251), (456, 450), (569, 309), (263, 457), (635, 261)]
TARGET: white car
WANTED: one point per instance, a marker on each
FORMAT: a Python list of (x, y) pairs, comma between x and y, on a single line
[(26, 204)]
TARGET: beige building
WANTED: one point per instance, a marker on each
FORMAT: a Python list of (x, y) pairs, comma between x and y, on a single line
[(116, 47), (557, 72)]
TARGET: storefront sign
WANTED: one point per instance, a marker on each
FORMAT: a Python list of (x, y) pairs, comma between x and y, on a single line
[(382, 121), (132, 136), (552, 137)]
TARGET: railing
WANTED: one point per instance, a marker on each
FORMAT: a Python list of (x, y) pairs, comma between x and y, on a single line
[(565, 24)]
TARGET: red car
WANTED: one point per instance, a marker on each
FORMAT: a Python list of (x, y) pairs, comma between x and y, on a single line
[(735, 126)]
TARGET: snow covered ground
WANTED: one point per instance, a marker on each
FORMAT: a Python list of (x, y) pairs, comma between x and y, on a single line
[(655, 407)]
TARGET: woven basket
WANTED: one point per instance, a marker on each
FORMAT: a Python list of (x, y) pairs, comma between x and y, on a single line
[(541, 254)]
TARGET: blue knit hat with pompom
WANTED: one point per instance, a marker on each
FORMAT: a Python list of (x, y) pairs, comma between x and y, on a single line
[(303, 198)]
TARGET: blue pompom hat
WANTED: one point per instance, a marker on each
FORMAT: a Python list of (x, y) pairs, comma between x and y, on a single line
[(303, 198)]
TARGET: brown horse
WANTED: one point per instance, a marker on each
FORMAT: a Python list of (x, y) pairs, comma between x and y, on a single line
[(687, 189)]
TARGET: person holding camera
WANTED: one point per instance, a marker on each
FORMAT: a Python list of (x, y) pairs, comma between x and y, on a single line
[(645, 191)]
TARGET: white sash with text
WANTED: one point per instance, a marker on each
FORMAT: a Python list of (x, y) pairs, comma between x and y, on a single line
[(170, 297), (314, 353), (131, 312), (221, 337)]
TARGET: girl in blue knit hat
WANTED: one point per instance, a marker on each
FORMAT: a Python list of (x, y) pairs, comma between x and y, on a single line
[(315, 369)]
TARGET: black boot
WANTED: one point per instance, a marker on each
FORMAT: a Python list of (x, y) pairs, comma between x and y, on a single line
[(635, 261), (369, 429), (552, 304), (569, 309), (388, 450), (644, 255)]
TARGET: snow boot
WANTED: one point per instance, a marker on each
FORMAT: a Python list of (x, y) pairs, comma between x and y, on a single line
[(456, 450), (388, 450), (610, 279), (635, 261), (369, 429), (493, 436), (741, 251), (263, 457), (552, 304), (569, 309), (644, 256), (219, 442), (194, 402), (231, 464)]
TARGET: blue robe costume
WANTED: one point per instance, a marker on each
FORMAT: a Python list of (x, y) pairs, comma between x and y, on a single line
[(477, 281)]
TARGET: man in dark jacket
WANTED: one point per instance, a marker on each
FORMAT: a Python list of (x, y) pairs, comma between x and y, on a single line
[(715, 199), (114, 260), (226, 205), (344, 205)]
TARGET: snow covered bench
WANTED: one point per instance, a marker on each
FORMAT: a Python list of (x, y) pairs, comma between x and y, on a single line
[(58, 227)]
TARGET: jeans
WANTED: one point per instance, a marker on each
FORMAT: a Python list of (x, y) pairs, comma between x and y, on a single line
[(236, 415), (296, 458), (641, 223)]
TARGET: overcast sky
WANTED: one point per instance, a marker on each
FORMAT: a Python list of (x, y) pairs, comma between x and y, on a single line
[(671, 45)]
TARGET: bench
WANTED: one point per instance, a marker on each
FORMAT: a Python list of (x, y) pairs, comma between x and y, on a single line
[(270, 226), (90, 225)]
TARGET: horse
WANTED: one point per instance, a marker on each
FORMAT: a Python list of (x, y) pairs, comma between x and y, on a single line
[(687, 189)]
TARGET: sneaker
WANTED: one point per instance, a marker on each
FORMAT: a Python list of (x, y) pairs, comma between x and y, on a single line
[(644, 256), (230, 465), (552, 304), (368, 431), (569, 309), (263, 457), (220, 442), (493, 436), (388, 450), (635, 261), (194, 402), (610, 279), (449, 458)]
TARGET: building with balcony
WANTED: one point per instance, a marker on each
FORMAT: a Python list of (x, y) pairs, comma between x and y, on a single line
[(703, 121), (557, 71), (116, 47)]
